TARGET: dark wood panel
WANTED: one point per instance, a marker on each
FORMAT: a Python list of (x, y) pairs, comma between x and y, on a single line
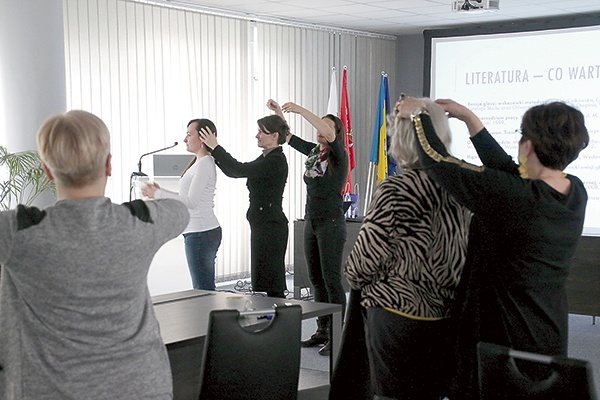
[(583, 285)]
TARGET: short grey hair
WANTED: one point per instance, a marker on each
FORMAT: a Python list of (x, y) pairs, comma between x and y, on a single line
[(403, 146), (75, 147)]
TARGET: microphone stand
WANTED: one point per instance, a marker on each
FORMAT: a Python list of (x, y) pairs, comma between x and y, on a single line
[(139, 173)]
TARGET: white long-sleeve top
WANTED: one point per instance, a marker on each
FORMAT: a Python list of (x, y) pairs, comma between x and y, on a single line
[(197, 191)]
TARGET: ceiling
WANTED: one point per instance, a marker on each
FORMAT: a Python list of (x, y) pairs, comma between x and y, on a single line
[(389, 17)]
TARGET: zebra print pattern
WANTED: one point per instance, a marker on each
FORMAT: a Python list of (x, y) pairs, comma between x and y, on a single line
[(411, 248)]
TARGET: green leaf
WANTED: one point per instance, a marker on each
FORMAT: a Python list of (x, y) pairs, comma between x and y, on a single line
[(26, 178)]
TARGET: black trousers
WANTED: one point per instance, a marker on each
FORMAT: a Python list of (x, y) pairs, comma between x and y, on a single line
[(324, 240), (268, 243), (407, 357)]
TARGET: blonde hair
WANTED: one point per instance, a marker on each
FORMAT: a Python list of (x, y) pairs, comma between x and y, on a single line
[(403, 146), (75, 147)]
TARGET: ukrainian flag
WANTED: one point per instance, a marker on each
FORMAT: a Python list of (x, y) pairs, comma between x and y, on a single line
[(379, 143)]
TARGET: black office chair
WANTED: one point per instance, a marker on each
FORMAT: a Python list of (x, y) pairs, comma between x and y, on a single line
[(245, 363), (505, 373)]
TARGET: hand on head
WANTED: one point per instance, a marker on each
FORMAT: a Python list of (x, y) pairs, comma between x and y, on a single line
[(406, 105), (453, 109), (397, 107), (208, 137), (462, 113)]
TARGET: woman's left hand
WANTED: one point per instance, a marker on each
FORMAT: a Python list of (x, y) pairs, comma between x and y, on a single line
[(273, 105), (291, 107), (208, 137)]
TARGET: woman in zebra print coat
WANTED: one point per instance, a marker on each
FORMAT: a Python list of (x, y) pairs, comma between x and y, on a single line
[(407, 262)]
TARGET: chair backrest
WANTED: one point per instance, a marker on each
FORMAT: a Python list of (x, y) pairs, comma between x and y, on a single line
[(505, 373), (240, 363)]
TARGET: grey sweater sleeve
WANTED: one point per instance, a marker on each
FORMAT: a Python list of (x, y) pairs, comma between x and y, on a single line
[(8, 227), (170, 216)]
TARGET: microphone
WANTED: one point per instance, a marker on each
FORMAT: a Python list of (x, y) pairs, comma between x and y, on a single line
[(139, 171)]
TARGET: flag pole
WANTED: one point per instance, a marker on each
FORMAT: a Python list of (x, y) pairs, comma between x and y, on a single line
[(368, 189), (333, 103)]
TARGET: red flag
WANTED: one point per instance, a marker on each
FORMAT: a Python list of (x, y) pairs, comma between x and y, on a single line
[(348, 140)]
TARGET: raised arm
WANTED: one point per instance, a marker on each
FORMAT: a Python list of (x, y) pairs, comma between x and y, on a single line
[(274, 106), (227, 163), (462, 113), (489, 151), (482, 190), (321, 126)]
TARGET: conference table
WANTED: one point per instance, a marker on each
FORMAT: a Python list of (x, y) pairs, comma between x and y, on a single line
[(183, 319)]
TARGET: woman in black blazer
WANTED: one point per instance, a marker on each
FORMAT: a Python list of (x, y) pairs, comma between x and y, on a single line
[(266, 176)]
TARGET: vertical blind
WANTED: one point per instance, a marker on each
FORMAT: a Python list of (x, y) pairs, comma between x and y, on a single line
[(147, 69)]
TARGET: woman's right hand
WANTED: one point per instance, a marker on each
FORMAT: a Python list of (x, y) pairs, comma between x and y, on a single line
[(208, 137), (292, 108), (458, 111), (454, 109), (149, 189)]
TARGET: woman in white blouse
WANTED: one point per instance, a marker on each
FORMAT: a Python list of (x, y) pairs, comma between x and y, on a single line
[(197, 191)]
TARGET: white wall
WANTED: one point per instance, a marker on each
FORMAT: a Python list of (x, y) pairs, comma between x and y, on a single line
[(32, 69), (168, 271)]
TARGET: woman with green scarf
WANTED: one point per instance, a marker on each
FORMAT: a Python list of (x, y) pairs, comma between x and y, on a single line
[(325, 229)]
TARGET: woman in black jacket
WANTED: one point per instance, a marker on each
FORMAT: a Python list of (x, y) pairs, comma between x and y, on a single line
[(528, 221), (266, 176)]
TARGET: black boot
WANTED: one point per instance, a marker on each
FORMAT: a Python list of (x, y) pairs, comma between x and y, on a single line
[(320, 337)]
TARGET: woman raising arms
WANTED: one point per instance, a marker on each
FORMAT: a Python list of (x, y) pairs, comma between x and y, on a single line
[(325, 229), (528, 221)]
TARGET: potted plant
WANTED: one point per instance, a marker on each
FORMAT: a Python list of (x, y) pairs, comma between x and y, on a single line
[(22, 178)]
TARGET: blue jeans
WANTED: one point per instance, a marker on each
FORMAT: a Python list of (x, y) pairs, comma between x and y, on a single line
[(324, 240), (201, 250)]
